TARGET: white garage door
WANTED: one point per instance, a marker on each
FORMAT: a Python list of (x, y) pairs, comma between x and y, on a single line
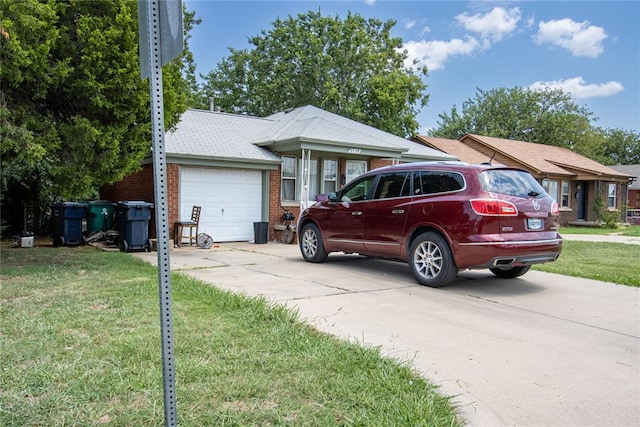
[(231, 201)]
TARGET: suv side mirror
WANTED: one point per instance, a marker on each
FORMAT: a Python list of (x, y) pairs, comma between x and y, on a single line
[(333, 197)]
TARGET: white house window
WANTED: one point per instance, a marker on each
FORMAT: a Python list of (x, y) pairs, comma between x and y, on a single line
[(611, 196), (314, 179), (329, 176), (354, 169), (551, 187), (565, 195), (288, 187)]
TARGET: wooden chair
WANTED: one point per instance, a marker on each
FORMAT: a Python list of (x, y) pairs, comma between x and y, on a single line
[(191, 225)]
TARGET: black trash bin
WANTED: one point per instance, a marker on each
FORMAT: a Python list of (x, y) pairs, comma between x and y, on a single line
[(133, 218), (260, 232), (66, 223)]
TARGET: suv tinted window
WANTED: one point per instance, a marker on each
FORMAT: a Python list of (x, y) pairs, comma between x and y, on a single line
[(358, 190), (511, 182), (431, 182), (392, 185)]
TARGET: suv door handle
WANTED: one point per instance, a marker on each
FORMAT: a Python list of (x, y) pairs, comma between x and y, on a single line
[(397, 211), (356, 213)]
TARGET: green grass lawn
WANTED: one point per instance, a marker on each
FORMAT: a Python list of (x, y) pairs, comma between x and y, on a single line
[(80, 344), (610, 262)]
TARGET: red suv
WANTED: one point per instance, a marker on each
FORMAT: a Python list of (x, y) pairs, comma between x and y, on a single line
[(440, 217)]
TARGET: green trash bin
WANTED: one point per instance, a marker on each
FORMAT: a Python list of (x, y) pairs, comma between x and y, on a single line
[(100, 215)]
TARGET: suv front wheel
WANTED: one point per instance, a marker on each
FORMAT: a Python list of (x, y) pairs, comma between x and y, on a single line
[(431, 261), (311, 245)]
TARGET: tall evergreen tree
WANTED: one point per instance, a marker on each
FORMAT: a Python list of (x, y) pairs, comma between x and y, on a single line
[(74, 112)]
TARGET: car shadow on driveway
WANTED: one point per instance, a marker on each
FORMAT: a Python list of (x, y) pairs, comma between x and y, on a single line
[(482, 283), (477, 283)]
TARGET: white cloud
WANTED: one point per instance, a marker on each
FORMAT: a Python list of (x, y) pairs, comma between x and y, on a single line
[(434, 54), (370, 2), (492, 26), (530, 22), (579, 38), (578, 89), (409, 23)]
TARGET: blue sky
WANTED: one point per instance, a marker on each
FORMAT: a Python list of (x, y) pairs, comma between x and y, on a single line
[(590, 49)]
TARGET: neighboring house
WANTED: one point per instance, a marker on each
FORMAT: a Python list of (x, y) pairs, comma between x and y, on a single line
[(573, 180), (243, 169), (633, 196)]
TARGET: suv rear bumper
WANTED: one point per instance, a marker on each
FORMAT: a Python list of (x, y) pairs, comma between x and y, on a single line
[(507, 254)]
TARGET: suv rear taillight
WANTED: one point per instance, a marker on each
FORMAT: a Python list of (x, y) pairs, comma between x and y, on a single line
[(555, 210), (493, 207)]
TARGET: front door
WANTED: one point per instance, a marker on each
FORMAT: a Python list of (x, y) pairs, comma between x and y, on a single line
[(582, 201)]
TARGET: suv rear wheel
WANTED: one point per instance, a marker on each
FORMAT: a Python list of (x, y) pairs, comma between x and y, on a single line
[(510, 273), (431, 261)]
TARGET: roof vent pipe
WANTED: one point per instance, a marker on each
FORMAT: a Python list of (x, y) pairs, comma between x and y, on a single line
[(211, 103)]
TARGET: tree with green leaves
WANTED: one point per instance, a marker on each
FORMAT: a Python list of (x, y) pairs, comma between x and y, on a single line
[(619, 147), (352, 67), (544, 117), (547, 117), (74, 112)]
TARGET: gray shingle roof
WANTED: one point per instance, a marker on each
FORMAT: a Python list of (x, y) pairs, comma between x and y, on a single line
[(219, 135), (631, 170), (232, 137), (310, 123)]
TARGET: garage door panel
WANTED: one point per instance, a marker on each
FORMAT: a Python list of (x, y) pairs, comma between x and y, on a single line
[(230, 199)]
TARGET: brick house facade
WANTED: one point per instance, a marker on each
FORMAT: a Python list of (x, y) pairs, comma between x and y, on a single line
[(575, 181), (207, 141)]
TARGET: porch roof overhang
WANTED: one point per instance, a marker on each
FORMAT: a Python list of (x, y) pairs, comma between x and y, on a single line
[(331, 147), (584, 174)]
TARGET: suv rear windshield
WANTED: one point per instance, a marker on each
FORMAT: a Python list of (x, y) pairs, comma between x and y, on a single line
[(511, 182)]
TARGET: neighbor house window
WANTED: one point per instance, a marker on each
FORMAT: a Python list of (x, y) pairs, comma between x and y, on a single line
[(329, 176), (565, 195), (551, 187), (611, 196), (288, 191)]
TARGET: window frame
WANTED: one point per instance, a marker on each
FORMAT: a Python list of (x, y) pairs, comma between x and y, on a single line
[(611, 198), (564, 194), (323, 188), (351, 177), (284, 178), (552, 184)]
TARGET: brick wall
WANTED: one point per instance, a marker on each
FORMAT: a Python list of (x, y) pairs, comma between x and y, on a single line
[(378, 163), (139, 187), (276, 208)]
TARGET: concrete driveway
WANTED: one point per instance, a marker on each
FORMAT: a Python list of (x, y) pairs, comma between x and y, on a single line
[(540, 350)]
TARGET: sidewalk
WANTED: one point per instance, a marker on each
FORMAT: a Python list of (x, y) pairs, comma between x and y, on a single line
[(630, 240)]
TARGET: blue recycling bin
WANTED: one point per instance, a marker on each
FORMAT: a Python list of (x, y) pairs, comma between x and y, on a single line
[(133, 218), (66, 223)]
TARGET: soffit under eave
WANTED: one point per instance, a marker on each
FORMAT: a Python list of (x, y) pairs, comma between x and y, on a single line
[(224, 162)]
